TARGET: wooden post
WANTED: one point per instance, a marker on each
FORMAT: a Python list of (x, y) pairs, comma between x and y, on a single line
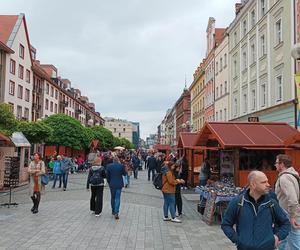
[(193, 167), (236, 161)]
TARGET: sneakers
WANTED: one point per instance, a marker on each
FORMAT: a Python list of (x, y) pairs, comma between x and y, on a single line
[(97, 215), (166, 219), (117, 216), (176, 220)]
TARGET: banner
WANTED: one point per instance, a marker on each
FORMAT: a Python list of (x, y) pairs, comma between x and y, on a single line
[(297, 82)]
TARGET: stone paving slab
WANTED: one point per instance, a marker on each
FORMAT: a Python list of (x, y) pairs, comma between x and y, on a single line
[(64, 222)]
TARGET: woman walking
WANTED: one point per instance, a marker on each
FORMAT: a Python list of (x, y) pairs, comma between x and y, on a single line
[(36, 169), (169, 185), (57, 171), (96, 179)]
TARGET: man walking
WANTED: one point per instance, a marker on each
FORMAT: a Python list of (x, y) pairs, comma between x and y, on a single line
[(287, 191), (151, 165), (66, 165), (254, 213), (114, 176), (136, 164)]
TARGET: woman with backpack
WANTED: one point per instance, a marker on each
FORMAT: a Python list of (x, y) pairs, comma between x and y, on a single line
[(96, 180), (169, 183)]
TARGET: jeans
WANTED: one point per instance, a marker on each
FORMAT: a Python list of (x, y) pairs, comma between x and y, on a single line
[(178, 201), (65, 179), (128, 179), (115, 199), (153, 172), (293, 239), (169, 204), (57, 176), (135, 173), (96, 201)]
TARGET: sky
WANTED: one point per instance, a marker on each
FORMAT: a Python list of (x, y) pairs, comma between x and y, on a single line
[(130, 57)]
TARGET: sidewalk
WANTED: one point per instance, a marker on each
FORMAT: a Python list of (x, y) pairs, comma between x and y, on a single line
[(64, 221)]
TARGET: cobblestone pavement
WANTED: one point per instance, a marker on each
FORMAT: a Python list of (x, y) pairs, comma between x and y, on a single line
[(64, 221)]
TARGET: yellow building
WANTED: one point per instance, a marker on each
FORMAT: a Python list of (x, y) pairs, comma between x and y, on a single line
[(197, 98)]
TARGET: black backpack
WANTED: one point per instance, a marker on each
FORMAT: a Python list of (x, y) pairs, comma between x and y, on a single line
[(95, 178), (157, 181)]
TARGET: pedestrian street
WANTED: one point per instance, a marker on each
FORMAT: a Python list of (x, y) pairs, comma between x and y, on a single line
[(65, 222)]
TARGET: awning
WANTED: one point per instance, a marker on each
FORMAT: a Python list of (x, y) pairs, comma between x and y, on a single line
[(20, 140), (187, 140)]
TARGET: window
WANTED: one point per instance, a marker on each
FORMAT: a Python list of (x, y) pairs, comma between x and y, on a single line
[(235, 106), (12, 67), (225, 87), (27, 76), (253, 20), (217, 116), (263, 45), (55, 108), (47, 104), (21, 71), (52, 91), (244, 59), (19, 112), (244, 27), (278, 32), (27, 95), (245, 103), (225, 60), (11, 88), (11, 107), (217, 92), (263, 95), (21, 51), (20, 91), (262, 7), (47, 88), (56, 94), (119, 134), (253, 99), (26, 114), (124, 129), (225, 115), (221, 118), (51, 107), (252, 51), (279, 88), (217, 67), (234, 67), (221, 64), (235, 38), (221, 90)]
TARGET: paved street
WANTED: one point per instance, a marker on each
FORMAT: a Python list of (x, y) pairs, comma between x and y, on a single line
[(64, 222)]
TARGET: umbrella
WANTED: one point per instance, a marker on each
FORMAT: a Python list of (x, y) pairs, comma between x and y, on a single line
[(119, 148)]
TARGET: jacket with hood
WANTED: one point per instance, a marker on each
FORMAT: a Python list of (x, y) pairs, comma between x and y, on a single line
[(287, 191), (102, 175)]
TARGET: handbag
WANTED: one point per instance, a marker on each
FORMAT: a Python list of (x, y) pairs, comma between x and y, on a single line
[(44, 179)]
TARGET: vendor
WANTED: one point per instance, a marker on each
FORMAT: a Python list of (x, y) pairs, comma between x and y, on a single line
[(205, 172)]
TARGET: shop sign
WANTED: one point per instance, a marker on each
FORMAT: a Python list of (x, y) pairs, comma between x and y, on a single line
[(253, 119)]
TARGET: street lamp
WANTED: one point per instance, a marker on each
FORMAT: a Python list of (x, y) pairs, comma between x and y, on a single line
[(295, 53)]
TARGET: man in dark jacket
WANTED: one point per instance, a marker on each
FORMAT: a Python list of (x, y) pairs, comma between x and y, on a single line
[(151, 165), (254, 214), (136, 164), (66, 165), (114, 176)]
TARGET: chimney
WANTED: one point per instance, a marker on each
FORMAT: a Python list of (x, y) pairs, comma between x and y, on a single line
[(238, 7)]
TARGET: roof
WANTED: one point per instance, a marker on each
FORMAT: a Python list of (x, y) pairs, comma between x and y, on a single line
[(246, 134), (187, 140), (7, 23), (5, 141), (20, 140), (5, 48), (162, 147), (219, 33)]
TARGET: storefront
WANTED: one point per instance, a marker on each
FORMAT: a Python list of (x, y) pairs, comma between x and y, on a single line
[(194, 155), (243, 146)]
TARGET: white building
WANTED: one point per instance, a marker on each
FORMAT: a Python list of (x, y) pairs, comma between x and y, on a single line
[(119, 128)]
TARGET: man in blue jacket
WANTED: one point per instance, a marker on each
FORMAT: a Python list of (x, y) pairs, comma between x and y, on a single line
[(114, 176), (260, 222)]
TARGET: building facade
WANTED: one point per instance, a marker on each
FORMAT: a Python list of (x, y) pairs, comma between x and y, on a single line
[(221, 81), (261, 68), (119, 128), (197, 90)]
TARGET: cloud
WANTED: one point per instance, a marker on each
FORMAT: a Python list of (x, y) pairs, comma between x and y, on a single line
[(130, 57)]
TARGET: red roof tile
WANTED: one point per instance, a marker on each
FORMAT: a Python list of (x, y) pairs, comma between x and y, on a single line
[(260, 134), (187, 139), (7, 24)]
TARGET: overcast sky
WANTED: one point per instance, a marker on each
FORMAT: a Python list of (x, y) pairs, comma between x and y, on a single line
[(130, 57)]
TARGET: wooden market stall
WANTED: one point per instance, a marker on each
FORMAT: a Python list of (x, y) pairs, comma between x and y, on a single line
[(194, 155), (162, 148), (243, 146)]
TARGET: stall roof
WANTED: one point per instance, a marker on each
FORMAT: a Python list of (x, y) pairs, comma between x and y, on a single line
[(162, 147), (5, 141), (20, 140), (246, 134), (187, 140)]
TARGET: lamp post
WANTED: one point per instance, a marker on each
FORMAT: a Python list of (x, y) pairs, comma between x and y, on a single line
[(295, 53)]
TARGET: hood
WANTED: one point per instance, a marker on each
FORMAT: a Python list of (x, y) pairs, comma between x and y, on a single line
[(290, 170), (96, 167)]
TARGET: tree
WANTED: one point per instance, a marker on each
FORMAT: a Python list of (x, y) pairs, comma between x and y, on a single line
[(8, 122), (67, 131), (123, 142), (105, 137), (35, 132)]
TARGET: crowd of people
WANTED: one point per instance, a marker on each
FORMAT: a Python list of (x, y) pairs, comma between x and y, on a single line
[(257, 219)]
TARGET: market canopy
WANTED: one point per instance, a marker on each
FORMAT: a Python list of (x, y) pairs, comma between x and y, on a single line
[(247, 134), (20, 140), (187, 140)]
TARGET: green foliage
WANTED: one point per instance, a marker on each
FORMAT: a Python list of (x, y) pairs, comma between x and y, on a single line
[(35, 132), (8, 122), (105, 137), (123, 142), (67, 131)]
